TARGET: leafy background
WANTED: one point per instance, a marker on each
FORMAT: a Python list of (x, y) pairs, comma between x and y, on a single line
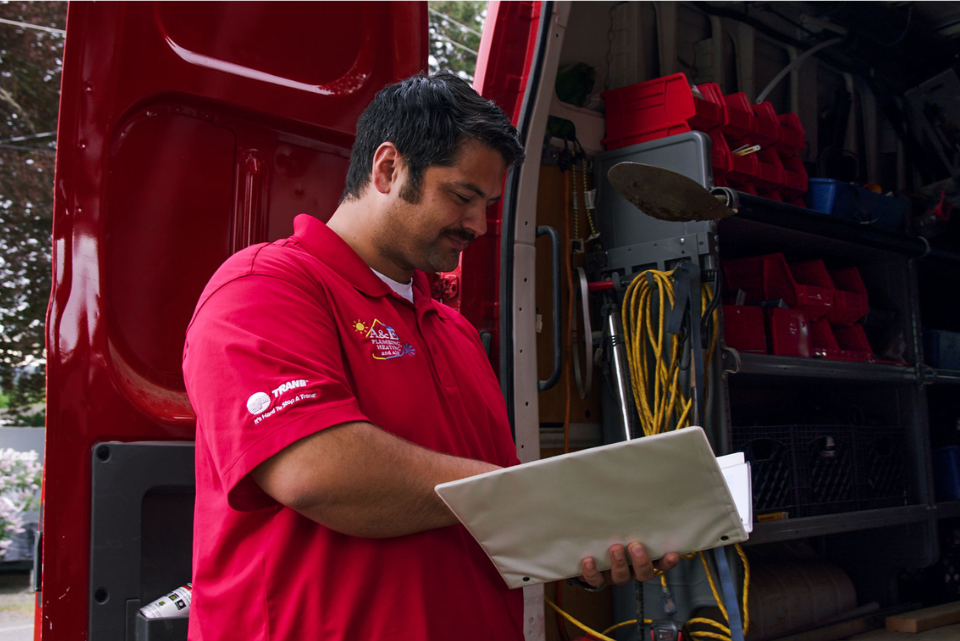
[(30, 61)]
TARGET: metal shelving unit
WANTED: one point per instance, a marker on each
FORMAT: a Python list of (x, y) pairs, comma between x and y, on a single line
[(801, 400), (762, 226), (787, 366), (944, 377), (790, 529)]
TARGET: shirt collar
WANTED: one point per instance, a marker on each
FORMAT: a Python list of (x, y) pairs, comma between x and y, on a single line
[(327, 247)]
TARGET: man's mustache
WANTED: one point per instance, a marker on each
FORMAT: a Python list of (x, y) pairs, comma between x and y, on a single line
[(464, 235)]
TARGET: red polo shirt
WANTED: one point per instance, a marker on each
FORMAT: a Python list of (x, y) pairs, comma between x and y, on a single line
[(290, 338)]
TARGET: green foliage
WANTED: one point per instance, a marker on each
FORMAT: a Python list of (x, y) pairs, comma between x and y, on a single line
[(453, 46), (30, 62)]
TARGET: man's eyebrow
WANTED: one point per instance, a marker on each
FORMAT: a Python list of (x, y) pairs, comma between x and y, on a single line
[(471, 187)]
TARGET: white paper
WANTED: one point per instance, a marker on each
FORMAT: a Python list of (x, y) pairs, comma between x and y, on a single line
[(736, 472), (537, 521)]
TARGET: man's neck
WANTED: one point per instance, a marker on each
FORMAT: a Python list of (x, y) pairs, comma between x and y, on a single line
[(352, 221)]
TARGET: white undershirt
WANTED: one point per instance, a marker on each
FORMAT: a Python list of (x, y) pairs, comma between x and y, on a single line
[(404, 289)]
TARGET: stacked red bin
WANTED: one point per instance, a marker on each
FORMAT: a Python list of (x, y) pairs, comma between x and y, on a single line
[(754, 150), (659, 108), (817, 314)]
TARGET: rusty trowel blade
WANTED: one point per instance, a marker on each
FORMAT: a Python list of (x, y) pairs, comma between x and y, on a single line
[(665, 194)]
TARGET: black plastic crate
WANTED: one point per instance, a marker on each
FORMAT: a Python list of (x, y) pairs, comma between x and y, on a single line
[(826, 469), (881, 476), (769, 450)]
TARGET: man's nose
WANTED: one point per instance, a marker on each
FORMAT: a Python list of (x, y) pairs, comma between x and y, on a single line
[(476, 220)]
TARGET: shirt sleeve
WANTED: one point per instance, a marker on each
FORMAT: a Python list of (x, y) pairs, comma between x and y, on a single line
[(263, 369)]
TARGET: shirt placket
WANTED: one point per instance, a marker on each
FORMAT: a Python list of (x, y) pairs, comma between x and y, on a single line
[(438, 362)]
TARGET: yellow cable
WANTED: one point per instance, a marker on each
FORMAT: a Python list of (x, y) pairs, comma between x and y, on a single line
[(702, 634), (705, 621), (716, 594), (713, 587), (697, 634), (625, 624), (654, 357), (569, 618), (746, 587)]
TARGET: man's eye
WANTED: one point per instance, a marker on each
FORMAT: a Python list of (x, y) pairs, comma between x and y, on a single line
[(463, 200)]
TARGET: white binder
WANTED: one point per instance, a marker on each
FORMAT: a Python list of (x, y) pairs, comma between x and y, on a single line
[(537, 521)]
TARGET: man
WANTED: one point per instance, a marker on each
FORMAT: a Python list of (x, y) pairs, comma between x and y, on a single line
[(332, 395)]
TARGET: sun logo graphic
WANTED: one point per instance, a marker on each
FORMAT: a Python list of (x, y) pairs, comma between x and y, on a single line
[(360, 326)]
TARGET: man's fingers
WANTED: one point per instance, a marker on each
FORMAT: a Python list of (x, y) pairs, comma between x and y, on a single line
[(622, 560), (619, 565), (642, 564), (590, 573), (668, 562)]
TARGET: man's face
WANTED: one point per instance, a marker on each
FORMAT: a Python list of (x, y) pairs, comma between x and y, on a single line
[(451, 213)]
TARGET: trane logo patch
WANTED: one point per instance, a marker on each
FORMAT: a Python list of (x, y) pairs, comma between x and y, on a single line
[(289, 385)]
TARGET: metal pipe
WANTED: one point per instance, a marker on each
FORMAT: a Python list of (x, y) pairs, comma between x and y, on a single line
[(619, 363)]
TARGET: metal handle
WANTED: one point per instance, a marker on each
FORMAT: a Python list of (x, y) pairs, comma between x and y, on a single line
[(555, 245), (584, 381)]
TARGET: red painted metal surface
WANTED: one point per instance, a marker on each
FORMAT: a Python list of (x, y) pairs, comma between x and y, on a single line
[(187, 131), (503, 66)]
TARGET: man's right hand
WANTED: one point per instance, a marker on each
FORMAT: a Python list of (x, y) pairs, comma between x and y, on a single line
[(622, 570)]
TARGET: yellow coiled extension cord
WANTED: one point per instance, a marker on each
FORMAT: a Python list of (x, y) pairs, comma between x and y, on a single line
[(664, 405), (654, 356)]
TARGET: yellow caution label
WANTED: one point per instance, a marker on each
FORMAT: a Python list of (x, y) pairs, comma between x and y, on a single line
[(773, 516)]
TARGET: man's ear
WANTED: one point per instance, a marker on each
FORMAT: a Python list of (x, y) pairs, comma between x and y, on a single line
[(387, 163)]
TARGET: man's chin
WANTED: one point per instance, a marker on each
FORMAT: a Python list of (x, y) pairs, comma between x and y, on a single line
[(442, 264)]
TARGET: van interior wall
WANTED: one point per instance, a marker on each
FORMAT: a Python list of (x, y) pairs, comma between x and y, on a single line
[(627, 43), (846, 134)]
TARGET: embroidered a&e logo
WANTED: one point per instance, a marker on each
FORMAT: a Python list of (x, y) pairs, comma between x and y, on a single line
[(386, 342)]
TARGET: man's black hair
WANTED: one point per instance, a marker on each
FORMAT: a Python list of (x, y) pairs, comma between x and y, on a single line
[(427, 117)]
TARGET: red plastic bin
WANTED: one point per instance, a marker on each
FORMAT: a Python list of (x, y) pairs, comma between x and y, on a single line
[(719, 155), (767, 133), (741, 122), (851, 302), (853, 343), (659, 108), (789, 333), (792, 135), (768, 278), (822, 341), (737, 170), (812, 275), (743, 328), (794, 178), (769, 169)]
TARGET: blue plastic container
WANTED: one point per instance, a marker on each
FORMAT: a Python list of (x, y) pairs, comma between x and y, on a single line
[(946, 472), (843, 200)]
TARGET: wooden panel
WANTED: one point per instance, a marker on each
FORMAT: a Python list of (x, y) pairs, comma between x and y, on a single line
[(552, 207), (593, 609), (926, 619)]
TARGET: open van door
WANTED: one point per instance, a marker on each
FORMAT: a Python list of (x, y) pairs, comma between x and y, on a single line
[(187, 132)]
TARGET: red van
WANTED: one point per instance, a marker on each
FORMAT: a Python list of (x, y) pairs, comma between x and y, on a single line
[(189, 131)]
